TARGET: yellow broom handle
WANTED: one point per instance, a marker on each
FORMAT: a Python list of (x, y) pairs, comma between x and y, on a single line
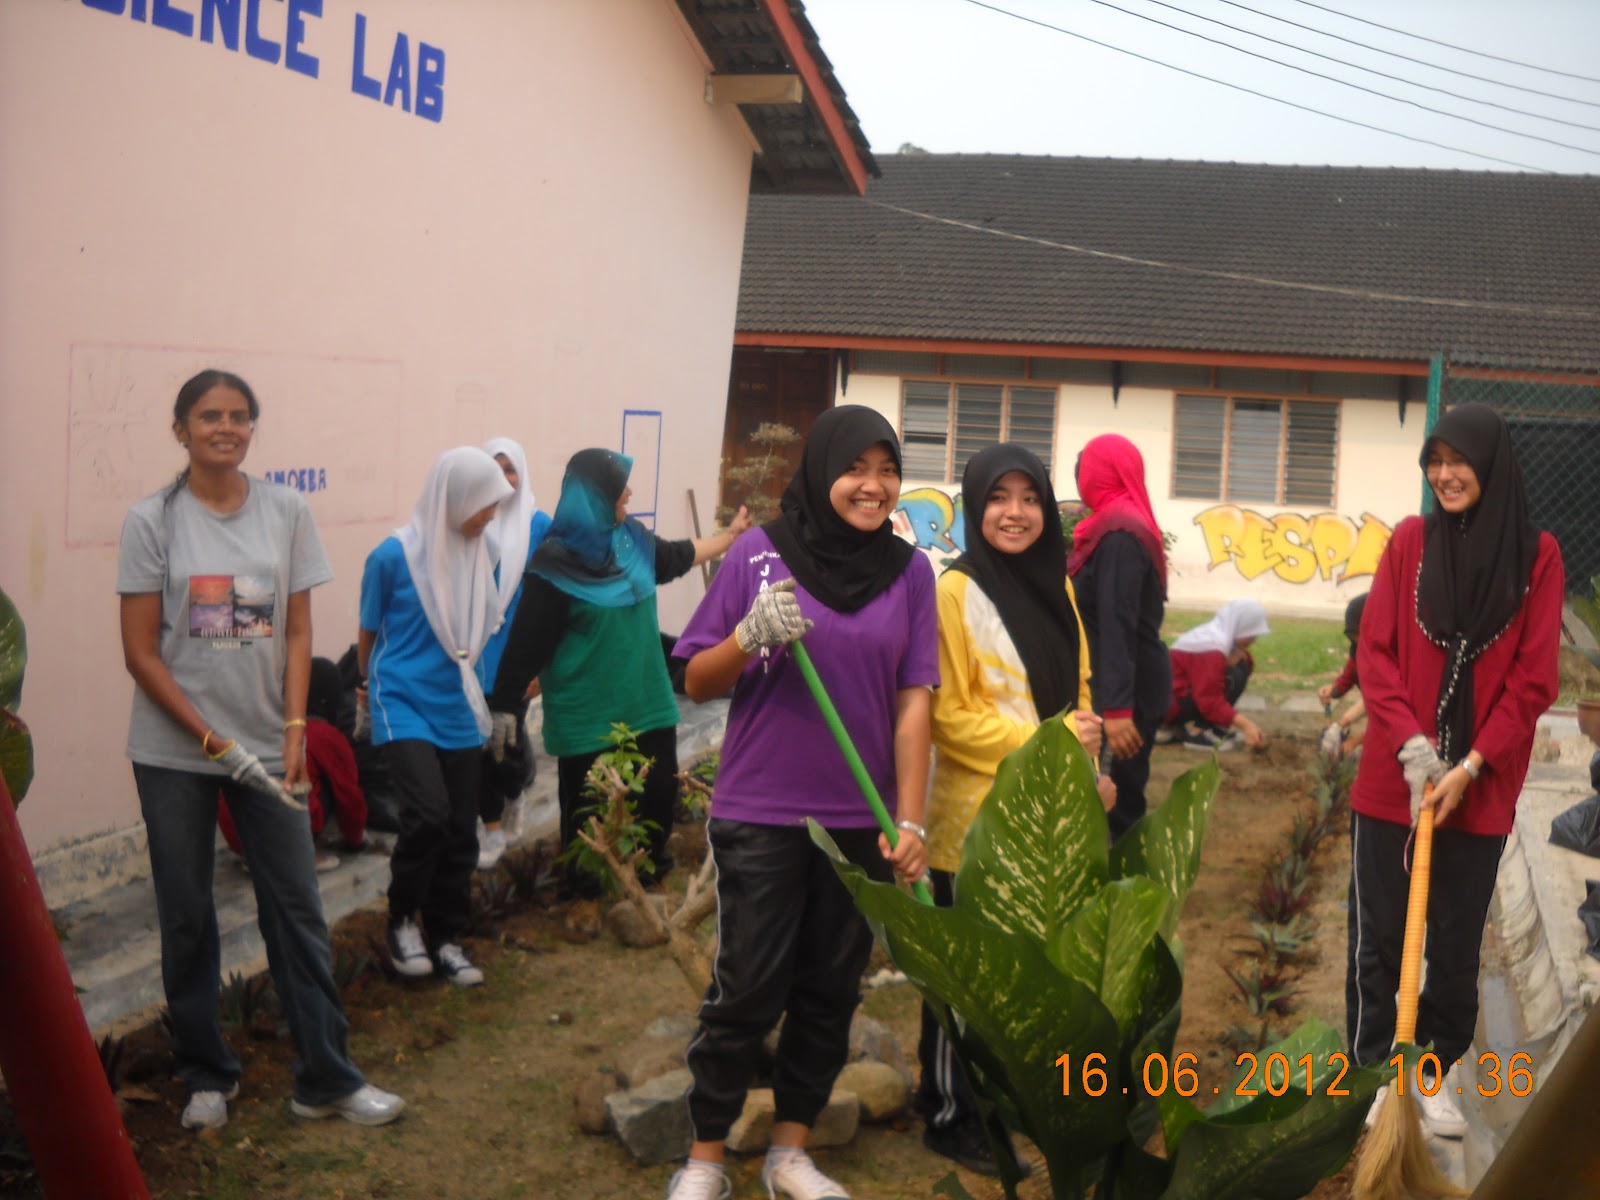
[(1405, 1022)]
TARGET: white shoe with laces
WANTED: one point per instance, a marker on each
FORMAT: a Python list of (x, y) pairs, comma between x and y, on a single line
[(454, 965), (367, 1105), (699, 1181), (491, 846), (1440, 1116), (792, 1173), (207, 1109), (407, 951)]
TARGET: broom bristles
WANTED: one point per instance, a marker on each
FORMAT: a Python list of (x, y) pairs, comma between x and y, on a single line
[(1395, 1163)]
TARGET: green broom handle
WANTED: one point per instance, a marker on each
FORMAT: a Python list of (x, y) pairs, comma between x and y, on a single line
[(848, 749)]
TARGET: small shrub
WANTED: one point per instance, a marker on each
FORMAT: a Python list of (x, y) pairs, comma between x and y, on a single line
[(245, 1002), (348, 967)]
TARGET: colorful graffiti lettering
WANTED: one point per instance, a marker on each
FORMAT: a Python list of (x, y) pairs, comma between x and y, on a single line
[(1295, 548), (931, 520)]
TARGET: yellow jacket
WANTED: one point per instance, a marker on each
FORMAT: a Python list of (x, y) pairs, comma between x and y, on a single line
[(982, 709)]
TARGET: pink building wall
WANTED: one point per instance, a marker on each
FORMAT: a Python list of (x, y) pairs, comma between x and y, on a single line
[(560, 245)]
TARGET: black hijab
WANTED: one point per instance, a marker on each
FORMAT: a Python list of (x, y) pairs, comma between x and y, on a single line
[(1029, 589), (1475, 566), (834, 561)]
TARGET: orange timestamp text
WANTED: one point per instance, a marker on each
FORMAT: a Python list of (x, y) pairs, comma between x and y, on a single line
[(1276, 1074)]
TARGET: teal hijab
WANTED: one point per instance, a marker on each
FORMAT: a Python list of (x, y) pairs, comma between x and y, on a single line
[(587, 553)]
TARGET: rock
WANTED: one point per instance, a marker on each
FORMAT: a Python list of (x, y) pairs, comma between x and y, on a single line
[(872, 1039), (882, 1090), (1306, 702), (1251, 703), (625, 923), (835, 1126), (673, 1025), (653, 1121), (589, 1102), (647, 1058)]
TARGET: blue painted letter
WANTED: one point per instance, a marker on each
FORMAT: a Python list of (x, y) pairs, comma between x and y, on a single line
[(175, 19), (361, 83), (295, 58), (430, 82), (399, 73), (255, 45), (114, 7), (224, 13)]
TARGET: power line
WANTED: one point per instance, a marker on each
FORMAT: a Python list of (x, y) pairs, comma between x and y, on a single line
[(1278, 62), (1521, 112), (1253, 92), (1329, 289), (1452, 46)]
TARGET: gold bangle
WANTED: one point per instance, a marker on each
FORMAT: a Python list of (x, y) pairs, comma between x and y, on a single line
[(205, 741), (218, 756), (290, 724)]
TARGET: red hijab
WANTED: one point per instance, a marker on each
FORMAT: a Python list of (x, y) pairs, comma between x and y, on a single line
[(1111, 482)]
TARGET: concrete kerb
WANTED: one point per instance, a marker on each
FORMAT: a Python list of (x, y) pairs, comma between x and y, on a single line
[(113, 945)]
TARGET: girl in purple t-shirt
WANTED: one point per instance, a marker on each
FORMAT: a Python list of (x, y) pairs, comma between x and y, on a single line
[(791, 943)]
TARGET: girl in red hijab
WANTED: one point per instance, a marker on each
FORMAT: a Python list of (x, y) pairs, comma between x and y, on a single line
[(1119, 571)]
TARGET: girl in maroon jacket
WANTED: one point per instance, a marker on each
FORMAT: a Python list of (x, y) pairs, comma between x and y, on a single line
[(1457, 660)]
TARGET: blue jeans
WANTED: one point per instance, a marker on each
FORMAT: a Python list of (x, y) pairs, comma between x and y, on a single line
[(180, 816)]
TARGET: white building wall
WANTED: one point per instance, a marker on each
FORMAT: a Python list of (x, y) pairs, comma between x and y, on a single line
[(561, 245), (1308, 562)]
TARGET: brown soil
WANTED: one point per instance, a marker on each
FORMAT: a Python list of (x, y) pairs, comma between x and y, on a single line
[(489, 1073)]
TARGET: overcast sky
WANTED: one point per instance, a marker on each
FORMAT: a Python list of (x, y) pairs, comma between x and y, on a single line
[(949, 75)]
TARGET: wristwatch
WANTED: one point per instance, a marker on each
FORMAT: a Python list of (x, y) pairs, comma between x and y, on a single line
[(911, 826), (1466, 765)]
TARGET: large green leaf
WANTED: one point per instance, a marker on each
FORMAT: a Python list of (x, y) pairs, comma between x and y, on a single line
[(1108, 945), (13, 653), (1019, 1009), (1037, 849), (1267, 1147), (16, 756), (1165, 843)]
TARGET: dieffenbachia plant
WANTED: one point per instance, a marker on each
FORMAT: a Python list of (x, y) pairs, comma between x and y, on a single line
[(1058, 975)]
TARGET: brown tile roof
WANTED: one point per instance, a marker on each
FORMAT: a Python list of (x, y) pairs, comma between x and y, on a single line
[(1333, 262)]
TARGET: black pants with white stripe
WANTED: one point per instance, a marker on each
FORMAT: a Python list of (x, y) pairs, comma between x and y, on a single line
[(790, 944), (1462, 884), (944, 1097)]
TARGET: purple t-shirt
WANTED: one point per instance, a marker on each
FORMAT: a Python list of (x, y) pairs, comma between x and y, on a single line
[(779, 762)]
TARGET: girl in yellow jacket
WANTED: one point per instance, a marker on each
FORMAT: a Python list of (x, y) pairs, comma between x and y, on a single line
[(1012, 653)]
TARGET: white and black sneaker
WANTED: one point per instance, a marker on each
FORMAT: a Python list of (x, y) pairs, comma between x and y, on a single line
[(452, 962), (406, 950)]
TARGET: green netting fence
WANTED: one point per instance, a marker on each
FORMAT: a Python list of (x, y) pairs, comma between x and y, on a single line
[(1554, 418)]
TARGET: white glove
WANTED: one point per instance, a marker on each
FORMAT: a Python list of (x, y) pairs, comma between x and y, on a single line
[(246, 768), (362, 730), (502, 734), (774, 619), (1421, 764), (1332, 742)]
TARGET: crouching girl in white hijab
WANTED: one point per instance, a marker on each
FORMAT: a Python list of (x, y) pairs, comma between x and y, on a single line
[(428, 606)]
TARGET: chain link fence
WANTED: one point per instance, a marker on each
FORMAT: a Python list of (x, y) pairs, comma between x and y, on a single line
[(1554, 419)]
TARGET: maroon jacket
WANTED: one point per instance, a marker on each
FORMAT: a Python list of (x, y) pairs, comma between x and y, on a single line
[(1513, 681)]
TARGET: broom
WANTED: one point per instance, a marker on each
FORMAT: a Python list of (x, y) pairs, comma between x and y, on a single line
[(846, 747), (1395, 1163)]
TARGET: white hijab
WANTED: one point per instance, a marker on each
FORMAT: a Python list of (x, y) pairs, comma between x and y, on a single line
[(1234, 620), (453, 574), (511, 527)]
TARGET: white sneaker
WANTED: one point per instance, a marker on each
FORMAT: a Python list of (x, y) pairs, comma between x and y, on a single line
[(792, 1173), (699, 1181), (207, 1110), (367, 1105), (410, 956), (490, 847), (454, 965), (1440, 1116)]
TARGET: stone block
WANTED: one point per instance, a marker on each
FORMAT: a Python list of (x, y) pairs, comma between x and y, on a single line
[(647, 1058), (653, 1121), (836, 1124), (589, 1102), (883, 1092)]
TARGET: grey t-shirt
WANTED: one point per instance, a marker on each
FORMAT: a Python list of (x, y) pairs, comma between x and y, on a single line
[(225, 582)]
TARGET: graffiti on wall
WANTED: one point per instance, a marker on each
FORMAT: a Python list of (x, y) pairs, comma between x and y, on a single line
[(1295, 548), (932, 521)]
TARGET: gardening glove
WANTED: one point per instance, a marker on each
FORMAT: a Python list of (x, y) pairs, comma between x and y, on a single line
[(362, 730), (1421, 764), (774, 619), (246, 768), (1332, 741), (503, 733)]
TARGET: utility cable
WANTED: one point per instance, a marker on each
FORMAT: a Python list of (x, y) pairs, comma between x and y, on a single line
[(1239, 87), (1451, 46), (1521, 112), (1440, 112), (1536, 310)]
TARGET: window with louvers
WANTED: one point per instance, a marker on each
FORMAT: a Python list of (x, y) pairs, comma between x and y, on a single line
[(944, 424), (925, 427), (1255, 450)]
